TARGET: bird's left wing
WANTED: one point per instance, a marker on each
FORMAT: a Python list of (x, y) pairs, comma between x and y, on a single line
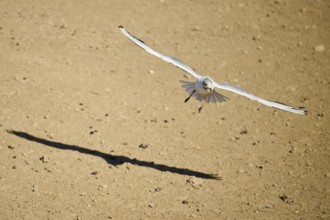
[(166, 58), (297, 110)]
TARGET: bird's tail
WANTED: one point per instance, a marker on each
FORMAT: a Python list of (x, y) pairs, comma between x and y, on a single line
[(188, 86), (213, 97), (216, 97)]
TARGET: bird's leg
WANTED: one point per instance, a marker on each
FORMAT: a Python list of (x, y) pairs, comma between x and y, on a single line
[(200, 108), (187, 99)]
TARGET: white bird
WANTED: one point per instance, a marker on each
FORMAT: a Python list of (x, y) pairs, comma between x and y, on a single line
[(204, 88)]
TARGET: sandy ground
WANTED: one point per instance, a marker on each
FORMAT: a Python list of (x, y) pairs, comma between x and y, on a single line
[(93, 127)]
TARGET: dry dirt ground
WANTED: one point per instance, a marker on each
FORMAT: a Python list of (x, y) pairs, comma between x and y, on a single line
[(93, 127)]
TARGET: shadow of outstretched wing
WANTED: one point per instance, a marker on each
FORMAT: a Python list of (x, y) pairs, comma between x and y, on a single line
[(114, 159)]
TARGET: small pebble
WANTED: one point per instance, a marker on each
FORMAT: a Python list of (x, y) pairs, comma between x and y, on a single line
[(234, 138), (196, 28), (143, 146), (44, 159), (319, 48), (260, 167), (192, 215), (196, 183), (286, 199), (102, 187), (268, 206), (151, 71), (243, 131), (241, 171), (283, 197), (92, 132)]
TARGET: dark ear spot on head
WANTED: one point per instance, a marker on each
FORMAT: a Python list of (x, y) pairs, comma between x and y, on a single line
[(207, 81)]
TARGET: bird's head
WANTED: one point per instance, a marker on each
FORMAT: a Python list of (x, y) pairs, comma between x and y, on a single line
[(208, 84)]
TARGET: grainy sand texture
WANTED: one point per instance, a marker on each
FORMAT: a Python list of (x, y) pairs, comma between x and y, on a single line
[(94, 127)]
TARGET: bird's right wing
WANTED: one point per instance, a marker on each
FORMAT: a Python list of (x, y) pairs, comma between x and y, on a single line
[(166, 58), (297, 110)]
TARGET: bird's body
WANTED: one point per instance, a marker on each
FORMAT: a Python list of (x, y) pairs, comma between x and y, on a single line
[(204, 86), (203, 89)]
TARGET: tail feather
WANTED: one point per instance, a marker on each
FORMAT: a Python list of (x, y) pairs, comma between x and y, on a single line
[(219, 97), (214, 97), (188, 86), (198, 96)]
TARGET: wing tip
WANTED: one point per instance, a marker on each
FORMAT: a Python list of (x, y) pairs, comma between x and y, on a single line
[(128, 34), (299, 110), (302, 110)]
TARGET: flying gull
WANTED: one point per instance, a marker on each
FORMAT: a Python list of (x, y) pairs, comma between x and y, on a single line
[(204, 88)]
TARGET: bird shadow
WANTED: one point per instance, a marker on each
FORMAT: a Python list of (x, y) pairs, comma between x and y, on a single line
[(114, 160)]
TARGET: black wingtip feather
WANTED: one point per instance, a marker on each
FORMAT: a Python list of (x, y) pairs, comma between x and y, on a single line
[(302, 108), (141, 40)]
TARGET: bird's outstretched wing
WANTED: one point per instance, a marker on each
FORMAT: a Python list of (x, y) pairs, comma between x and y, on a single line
[(297, 110), (166, 58)]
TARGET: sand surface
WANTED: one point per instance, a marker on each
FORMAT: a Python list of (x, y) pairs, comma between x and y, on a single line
[(93, 127)]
